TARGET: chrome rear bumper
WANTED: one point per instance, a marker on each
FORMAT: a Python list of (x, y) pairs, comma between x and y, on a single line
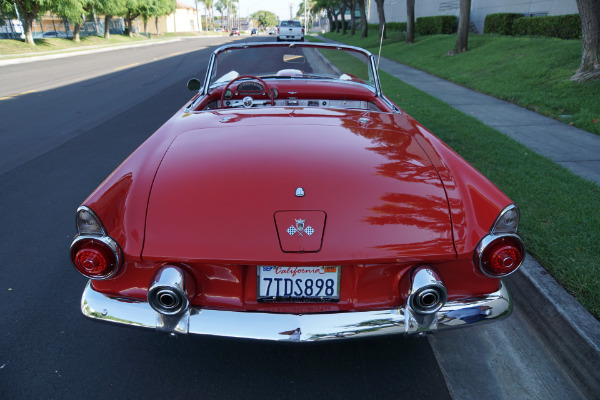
[(292, 327)]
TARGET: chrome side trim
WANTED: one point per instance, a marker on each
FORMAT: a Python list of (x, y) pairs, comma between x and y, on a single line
[(292, 327)]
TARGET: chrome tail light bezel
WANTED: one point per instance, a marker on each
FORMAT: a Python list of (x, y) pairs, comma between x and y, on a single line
[(490, 240), (504, 228), (97, 237)]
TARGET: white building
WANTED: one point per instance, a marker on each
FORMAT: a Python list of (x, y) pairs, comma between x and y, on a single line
[(395, 10), (184, 19)]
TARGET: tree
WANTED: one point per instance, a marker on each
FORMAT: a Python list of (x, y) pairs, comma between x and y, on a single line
[(133, 11), (223, 6), (363, 19), (73, 11), (148, 9), (589, 12), (343, 15), (209, 4), (381, 13), (230, 6), (352, 19), (265, 18), (28, 11), (310, 8), (332, 8), (110, 8), (410, 21), (336, 12), (163, 7), (220, 7), (462, 37), (324, 5)]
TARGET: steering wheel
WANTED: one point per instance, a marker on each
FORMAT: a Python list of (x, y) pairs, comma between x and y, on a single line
[(265, 86)]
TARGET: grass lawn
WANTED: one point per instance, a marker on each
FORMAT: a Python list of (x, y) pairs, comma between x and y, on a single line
[(531, 72), (10, 47), (559, 210)]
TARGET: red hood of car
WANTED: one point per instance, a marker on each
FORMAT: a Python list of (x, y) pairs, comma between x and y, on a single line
[(227, 192)]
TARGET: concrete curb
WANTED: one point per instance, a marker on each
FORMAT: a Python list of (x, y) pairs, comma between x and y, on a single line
[(569, 331), (62, 54)]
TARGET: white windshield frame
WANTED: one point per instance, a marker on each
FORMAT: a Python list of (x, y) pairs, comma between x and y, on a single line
[(375, 86)]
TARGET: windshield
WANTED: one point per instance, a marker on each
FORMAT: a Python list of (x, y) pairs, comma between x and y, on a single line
[(300, 61), (285, 24)]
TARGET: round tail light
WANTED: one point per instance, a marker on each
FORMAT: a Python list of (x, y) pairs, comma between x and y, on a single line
[(95, 258), (501, 255)]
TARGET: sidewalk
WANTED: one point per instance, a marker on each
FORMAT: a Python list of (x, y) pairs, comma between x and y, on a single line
[(11, 59), (573, 148)]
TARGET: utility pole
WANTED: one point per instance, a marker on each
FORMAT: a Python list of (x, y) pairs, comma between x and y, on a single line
[(22, 36), (305, 21), (197, 18)]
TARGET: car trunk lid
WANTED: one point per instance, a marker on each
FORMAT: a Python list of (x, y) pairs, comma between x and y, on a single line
[(228, 192)]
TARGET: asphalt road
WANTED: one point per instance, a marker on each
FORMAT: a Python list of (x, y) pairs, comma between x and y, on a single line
[(56, 145)]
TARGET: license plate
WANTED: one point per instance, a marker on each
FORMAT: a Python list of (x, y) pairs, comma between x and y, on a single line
[(298, 284)]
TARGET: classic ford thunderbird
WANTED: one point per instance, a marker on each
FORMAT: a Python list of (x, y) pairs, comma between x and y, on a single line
[(290, 199)]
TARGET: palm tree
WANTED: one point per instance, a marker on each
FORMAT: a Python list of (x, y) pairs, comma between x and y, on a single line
[(221, 5), (230, 6), (209, 4)]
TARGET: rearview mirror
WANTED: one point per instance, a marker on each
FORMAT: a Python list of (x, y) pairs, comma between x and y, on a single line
[(194, 84), (294, 59)]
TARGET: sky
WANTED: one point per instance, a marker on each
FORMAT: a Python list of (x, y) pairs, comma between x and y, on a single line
[(281, 8)]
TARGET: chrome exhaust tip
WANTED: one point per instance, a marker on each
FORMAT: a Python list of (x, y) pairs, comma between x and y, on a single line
[(168, 293), (427, 293)]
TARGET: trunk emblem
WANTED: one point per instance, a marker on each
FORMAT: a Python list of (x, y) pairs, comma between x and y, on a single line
[(299, 192), (299, 228)]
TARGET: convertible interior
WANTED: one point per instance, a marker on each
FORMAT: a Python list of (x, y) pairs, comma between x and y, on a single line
[(248, 91)]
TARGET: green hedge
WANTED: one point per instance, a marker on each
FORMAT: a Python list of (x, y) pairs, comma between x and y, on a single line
[(436, 25), (396, 26), (561, 26), (501, 23)]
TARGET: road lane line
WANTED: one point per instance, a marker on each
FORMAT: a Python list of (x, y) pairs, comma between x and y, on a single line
[(127, 66), (18, 94)]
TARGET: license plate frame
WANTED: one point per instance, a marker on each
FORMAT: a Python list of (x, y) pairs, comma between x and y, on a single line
[(312, 284)]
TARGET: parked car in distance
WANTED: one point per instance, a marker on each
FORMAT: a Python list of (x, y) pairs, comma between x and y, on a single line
[(254, 31), (272, 31), (290, 199), (235, 31), (290, 31)]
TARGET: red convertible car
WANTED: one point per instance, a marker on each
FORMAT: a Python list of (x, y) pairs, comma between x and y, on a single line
[(290, 199)]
